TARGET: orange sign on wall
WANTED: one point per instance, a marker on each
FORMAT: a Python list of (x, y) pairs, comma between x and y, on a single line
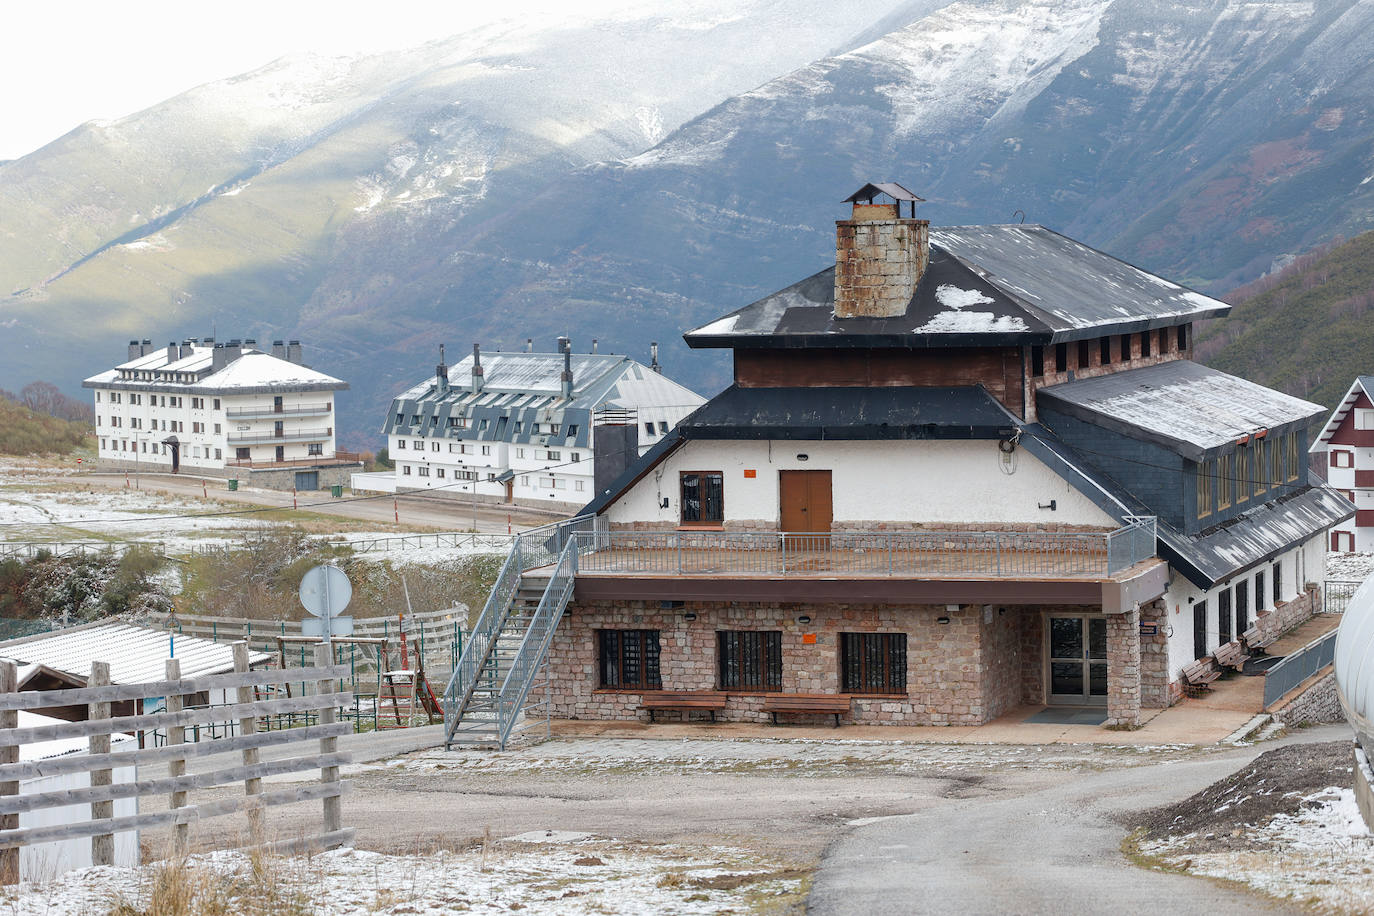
[(808, 639), (750, 472)]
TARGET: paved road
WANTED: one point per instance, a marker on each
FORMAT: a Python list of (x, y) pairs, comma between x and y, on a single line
[(1056, 850), (414, 511)]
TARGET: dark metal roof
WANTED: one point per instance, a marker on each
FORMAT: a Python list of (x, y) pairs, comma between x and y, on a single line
[(890, 188), (850, 413), (1181, 405), (984, 286)]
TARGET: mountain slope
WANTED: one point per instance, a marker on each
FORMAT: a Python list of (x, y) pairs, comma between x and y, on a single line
[(628, 180), (1305, 330)]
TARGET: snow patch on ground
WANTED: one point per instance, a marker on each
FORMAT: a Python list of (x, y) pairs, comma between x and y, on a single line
[(1349, 567), (535, 878), (1324, 855)]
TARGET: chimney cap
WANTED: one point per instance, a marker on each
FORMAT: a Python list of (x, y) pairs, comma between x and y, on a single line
[(890, 188)]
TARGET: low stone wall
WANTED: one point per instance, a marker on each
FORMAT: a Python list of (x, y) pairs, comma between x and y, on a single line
[(1316, 702), (1287, 614), (285, 478)]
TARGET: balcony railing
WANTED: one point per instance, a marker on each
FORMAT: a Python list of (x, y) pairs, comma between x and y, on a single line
[(274, 437), (1000, 554), (315, 462), (267, 410)]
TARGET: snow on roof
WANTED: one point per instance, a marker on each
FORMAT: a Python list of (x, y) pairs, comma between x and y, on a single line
[(42, 750), (135, 654), (252, 369), (1180, 404)]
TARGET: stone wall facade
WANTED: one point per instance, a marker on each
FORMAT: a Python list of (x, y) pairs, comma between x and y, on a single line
[(966, 665), (1285, 615), (1123, 669), (1155, 690), (1316, 702), (878, 263)]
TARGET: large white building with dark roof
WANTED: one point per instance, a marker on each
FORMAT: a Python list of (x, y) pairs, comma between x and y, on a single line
[(221, 409), (529, 427)]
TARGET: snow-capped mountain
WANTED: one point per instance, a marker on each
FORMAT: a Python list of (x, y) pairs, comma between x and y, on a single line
[(630, 178)]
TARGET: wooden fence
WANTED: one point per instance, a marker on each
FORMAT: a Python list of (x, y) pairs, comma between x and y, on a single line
[(181, 813)]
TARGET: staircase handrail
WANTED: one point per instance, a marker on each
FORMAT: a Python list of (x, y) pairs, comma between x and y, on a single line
[(535, 643), (527, 552)]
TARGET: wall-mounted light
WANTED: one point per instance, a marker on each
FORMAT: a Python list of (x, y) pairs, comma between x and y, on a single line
[(942, 620), (803, 457), (663, 504), (689, 616), (803, 619)]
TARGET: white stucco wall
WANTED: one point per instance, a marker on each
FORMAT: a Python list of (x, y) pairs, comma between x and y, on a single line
[(966, 482), (1297, 567)]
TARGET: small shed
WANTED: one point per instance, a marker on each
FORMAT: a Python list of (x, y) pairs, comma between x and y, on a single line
[(46, 861)]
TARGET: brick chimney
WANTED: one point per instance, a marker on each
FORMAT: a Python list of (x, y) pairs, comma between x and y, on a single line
[(879, 255)]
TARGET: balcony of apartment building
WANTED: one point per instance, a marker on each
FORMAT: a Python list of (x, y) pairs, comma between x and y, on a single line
[(279, 436), (1113, 569), (267, 411)]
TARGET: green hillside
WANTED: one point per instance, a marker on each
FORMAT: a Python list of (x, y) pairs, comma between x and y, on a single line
[(26, 432), (1305, 330)]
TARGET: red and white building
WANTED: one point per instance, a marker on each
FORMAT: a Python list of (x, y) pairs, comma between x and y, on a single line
[(1344, 455)]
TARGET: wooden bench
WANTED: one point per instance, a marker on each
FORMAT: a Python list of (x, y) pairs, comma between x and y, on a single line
[(686, 701), (819, 704), (1231, 655), (1254, 643), (1198, 677)]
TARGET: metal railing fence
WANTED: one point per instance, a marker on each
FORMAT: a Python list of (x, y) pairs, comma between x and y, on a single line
[(944, 553), (1336, 595), (531, 549), (1298, 667)]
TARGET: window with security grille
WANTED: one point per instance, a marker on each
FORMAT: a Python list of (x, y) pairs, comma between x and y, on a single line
[(873, 662), (629, 658), (703, 497), (750, 660)]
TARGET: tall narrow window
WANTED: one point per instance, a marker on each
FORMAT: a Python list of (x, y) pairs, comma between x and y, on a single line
[(1242, 607), (1258, 465), (1276, 449), (1224, 481), (1242, 476), (1204, 489), (1277, 579), (1292, 456), (1224, 616), (1125, 347), (1163, 341), (1261, 596), (1144, 343), (1105, 348), (1182, 337), (1037, 361), (873, 662), (1061, 357), (750, 660), (629, 658), (1084, 354), (703, 497)]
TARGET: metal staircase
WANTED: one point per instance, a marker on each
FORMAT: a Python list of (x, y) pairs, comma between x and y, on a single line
[(485, 698)]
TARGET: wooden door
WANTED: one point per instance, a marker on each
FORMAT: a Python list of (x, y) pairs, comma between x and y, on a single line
[(805, 500)]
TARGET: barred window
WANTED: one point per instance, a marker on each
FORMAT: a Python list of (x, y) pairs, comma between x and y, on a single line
[(703, 497), (873, 662), (750, 660), (629, 658)]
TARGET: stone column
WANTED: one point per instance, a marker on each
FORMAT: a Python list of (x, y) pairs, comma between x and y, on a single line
[(1154, 655), (1123, 669)]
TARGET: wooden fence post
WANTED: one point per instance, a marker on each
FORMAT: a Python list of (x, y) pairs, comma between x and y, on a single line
[(249, 726), (102, 844), (333, 805), (9, 718), (176, 734)]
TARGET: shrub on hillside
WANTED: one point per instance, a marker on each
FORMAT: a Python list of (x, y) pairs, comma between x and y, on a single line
[(24, 431)]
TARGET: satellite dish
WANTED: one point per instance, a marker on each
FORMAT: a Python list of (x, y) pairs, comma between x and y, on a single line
[(325, 592)]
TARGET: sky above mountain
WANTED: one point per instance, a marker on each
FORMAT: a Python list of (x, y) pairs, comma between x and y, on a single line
[(125, 58)]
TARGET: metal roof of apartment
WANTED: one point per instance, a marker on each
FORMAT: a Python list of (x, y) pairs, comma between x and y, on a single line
[(1363, 384), (984, 286), (966, 412), (135, 654), (528, 387), (250, 373), (1184, 406)]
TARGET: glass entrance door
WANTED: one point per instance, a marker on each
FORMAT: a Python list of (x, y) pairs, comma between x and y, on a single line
[(1078, 660)]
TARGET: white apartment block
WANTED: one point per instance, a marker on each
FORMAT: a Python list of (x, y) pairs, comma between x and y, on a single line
[(221, 409), (523, 427)]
